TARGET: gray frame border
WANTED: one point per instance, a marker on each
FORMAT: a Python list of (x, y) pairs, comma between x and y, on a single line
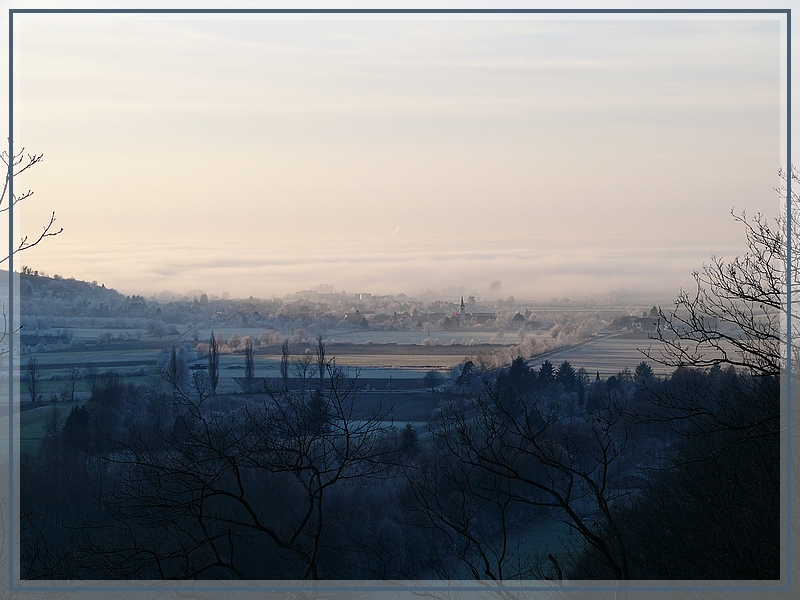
[(13, 586)]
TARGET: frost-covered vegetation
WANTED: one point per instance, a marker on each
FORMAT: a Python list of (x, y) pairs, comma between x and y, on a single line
[(54, 306), (145, 483)]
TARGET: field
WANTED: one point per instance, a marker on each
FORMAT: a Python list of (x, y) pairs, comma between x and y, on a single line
[(433, 336), (389, 374), (607, 355)]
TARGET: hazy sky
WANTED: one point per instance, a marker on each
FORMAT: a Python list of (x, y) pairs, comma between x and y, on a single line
[(263, 156)]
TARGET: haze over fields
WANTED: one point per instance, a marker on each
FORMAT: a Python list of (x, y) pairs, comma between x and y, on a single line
[(385, 155)]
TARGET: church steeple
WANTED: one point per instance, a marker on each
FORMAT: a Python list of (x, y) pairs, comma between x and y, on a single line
[(463, 308)]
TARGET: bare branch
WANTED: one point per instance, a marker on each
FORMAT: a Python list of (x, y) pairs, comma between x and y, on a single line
[(47, 231)]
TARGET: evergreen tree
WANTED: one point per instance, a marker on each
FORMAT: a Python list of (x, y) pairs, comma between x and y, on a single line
[(409, 441), (213, 362), (565, 375), (546, 373)]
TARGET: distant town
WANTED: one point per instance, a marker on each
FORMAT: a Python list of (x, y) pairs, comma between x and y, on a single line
[(56, 311)]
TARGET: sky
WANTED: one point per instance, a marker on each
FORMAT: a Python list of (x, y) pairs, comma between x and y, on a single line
[(262, 156)]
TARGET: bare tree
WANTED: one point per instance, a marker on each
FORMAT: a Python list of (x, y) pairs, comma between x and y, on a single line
[(33, 378), (249, 353), (432, 379), (92, 379), (16, 165), (511, 456), (4, 332), (734, 315), (71, 384), (735, 318), (728, 340), (303, 370), (231, 487), (474, 515)]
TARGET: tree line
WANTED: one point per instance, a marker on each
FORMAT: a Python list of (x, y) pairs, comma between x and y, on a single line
[(143, 483)]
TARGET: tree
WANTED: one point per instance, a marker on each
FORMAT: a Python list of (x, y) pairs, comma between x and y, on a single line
[(709, 508), (467, 371), (409, 441), (16, 165), (432, 379), (76, 427), (733, 316), (471, 512), (712, 510), (321, 366), (285, 364), (251, 495), (317, 413), (519, 371), (33, 378), (501, 465), (546, 373), (92, 379), (176, 369), (249, 353), (213, 362), (71, 384), (234, 341), (565, 375), (303, 370), (52, 425), (643, 371)]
